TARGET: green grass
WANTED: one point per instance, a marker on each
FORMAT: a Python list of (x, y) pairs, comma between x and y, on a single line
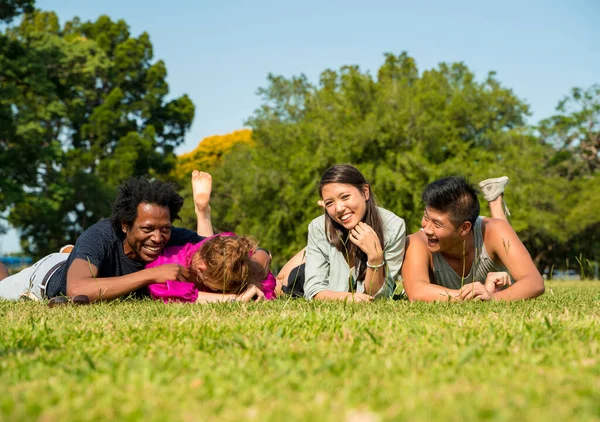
[(395, 360)]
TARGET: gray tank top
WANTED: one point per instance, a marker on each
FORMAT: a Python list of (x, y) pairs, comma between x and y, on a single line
[(445, 276)]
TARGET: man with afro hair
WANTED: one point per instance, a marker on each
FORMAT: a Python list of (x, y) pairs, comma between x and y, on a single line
[(109, 258)]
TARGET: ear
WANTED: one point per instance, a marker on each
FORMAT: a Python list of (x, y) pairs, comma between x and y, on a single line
[(465, 227), (366, 191), (124, 227)]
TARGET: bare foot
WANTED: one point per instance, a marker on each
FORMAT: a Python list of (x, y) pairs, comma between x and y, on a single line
[(201, 188)]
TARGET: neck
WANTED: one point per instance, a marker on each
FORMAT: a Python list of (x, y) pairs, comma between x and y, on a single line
[(464, 247)]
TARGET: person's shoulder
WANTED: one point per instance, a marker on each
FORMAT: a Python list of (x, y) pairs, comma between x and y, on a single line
[(494, 225), (317, 223), (495, 230), (181, 236), (316, 227), (417, 237), (390, 220), (103, 229)]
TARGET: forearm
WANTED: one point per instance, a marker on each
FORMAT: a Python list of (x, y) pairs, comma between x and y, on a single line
[(374, 280), (107, 288), (205, 297), (204, 223), (525, 288), (331, 295), (427, 292)]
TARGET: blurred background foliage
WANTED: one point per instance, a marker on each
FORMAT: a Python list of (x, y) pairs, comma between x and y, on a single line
[(84, 106)]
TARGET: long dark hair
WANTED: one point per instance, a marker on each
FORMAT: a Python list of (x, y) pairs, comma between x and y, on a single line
[(336, 233)]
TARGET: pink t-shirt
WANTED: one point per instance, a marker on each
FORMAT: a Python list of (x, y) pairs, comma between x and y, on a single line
[(183, 291)]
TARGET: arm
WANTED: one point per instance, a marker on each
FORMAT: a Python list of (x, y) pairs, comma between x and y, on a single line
[(317, 264), (347, 296), (250, 294), (367, 240), (504, 245), (205, 297), (415, 273), (316, 284), (82, 280), (393, 256)]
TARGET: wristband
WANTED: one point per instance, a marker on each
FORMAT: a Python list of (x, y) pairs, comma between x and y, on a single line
[(376, 266)]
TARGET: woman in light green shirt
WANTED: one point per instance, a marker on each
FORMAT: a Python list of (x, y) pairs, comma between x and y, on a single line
[(354, 251)]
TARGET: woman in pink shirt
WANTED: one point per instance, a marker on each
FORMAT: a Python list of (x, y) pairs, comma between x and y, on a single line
[(224, 267)]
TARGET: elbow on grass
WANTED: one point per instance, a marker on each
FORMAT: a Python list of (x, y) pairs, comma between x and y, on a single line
[(541, 289)]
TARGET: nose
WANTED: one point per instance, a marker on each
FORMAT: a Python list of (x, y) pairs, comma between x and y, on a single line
[(156, 236), (339, 207), (426, 227)]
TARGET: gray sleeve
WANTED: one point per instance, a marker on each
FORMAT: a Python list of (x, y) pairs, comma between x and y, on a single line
[(317, 260), (393, 254)]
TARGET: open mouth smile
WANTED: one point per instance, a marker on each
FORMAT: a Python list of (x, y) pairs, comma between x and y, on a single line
[(346, 217), (153, 250), (432, 241)]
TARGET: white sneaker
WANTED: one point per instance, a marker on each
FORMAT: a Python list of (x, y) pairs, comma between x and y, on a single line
[(29, 296), (66, 249), (493, 188)]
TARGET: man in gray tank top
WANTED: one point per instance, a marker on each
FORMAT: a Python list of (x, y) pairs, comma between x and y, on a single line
[(458, 255)]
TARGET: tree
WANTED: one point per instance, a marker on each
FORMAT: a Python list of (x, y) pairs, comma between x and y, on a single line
[(102, 117), (9, 9), (575, 132), (402, 130), (20, 68), (208, 154)]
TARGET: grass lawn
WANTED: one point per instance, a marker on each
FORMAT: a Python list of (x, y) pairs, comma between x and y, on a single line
[(298, 360)]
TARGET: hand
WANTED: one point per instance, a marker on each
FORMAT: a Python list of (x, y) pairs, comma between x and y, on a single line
[(162, 273), (474, 291), (358, 297), (363, 236), (496, 281), (251, 293)]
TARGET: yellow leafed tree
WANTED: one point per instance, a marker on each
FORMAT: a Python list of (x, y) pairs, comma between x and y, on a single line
[(208, 153)]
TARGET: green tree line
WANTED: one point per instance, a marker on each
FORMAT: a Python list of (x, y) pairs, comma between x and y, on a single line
[(84, 105), (403, 129)]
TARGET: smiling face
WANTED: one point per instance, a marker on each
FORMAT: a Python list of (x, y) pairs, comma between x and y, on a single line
[(149, 233), (345, 204), (441, 233)]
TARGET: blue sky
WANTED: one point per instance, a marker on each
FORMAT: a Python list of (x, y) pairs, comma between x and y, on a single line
[(220, 53)]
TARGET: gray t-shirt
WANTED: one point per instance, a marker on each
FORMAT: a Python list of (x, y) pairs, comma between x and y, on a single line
[(104, 249)]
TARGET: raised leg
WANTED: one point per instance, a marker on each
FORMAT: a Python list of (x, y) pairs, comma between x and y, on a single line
[(201, 189), (493, 190)]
